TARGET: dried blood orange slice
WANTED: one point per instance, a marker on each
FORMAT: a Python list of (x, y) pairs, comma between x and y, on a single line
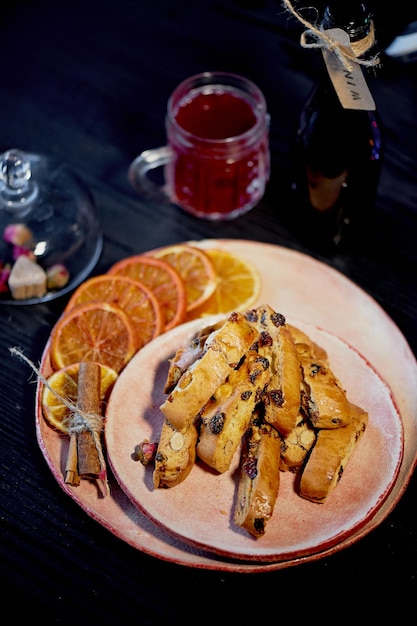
[(162, 279), (94, 331), (196, 270), (132, 296)]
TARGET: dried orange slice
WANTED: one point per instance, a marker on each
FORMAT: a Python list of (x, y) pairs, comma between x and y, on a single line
[(94, 331), (132, 296), (196, 270), (63, 385), (162, 279), (238, 285)]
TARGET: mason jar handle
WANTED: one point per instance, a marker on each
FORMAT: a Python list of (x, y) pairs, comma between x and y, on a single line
[(141, 167)]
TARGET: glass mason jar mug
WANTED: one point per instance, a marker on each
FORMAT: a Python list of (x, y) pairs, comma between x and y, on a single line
[(216, 161)]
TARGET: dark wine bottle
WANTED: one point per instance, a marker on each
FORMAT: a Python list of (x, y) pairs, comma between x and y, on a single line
[(339, 142)]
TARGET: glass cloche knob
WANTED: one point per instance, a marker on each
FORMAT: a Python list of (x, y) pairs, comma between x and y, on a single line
[(17, 190), (50, 236)]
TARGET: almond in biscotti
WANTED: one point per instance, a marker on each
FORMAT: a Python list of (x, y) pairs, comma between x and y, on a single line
[(296, 445), (175, 455)]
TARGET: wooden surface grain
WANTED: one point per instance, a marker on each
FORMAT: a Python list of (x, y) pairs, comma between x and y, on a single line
[(87, 82)]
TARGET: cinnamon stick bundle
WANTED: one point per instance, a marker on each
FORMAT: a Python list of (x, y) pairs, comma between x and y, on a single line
[(85, 457)]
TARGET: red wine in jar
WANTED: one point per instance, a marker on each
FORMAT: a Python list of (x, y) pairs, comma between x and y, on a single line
[(221, 151), (216, 115)]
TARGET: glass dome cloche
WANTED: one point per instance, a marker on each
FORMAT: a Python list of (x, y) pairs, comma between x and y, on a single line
[(50, 234)]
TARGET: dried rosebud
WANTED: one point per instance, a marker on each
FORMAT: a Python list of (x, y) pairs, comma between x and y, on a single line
[(145, 452), (4, 278), (57, 276), (22, 251), (18, 235)]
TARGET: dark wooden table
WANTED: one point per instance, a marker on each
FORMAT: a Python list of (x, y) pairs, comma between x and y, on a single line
[(87, 82)]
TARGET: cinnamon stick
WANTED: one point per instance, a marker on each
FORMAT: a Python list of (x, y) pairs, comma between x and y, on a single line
[(88, 402), (71, 470)]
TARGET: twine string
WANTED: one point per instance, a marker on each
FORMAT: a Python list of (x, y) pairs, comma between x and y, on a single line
[(79, 420), (317, 37)]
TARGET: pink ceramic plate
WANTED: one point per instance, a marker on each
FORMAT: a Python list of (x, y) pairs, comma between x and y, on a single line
[(200, 510), (304, 289)]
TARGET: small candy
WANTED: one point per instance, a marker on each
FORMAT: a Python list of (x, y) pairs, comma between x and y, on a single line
[(27, 279)]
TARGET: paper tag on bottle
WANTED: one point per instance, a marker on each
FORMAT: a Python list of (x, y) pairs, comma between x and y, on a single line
[(349, 84)]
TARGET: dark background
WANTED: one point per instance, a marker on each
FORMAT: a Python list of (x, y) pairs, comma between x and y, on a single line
[(87, 82)]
